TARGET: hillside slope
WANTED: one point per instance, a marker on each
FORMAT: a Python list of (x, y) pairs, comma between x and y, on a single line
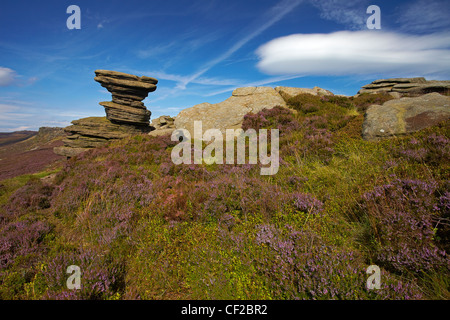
[(140, 227)]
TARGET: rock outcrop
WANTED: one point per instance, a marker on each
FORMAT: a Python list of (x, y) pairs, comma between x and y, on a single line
[(406, 86), (287, 92), (230, 113), (405, 115), (126, 114), (93, 132), (127, 91), (162, 126)]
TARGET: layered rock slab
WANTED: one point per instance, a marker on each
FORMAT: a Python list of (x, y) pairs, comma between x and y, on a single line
[(229, 114), (405, 115), (92, 132), (406, 86)]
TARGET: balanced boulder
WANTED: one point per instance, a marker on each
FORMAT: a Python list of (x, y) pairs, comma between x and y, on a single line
[(127, 91)]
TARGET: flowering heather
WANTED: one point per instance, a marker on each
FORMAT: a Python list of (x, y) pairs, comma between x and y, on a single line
[(401, 216), (276, 118), (98, 279), (307, 203), (19, 239), (33, 196), (433, 149), (363, 101), (299, 265)]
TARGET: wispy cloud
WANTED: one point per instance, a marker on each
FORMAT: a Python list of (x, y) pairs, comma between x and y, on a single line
[(351, 13), (7, 76), (357, 52), (255, 83), (156, 51), (17, 114), (425, 16), (274, 15)]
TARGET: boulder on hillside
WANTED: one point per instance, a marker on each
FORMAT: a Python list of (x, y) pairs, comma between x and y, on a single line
[(229, 114), (405, 115)]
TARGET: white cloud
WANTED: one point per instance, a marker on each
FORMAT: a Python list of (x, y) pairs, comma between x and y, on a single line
[(7, 76), (357, 53)]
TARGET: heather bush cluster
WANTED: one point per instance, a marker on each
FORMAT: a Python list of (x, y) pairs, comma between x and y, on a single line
[(141, 227), (33, 196), (100, 279), (300, 265), (277, 118), (402, 216), (432, 148), (21, 240)]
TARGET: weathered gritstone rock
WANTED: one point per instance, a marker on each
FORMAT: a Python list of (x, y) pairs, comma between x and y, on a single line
[(163, 122), (127, 91), (92, 132), (405, 115), (162, 125), (125, 115), (292, 92), (229, 114), (406, 86)]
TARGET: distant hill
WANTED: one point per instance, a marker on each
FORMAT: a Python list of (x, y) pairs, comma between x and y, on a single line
[(7, 138), (24, 152)]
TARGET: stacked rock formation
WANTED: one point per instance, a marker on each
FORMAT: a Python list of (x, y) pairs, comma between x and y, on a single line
[(125, 115), (127, 91), (406, 86)]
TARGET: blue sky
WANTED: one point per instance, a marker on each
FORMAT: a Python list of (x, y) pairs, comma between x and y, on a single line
[(201, 50)]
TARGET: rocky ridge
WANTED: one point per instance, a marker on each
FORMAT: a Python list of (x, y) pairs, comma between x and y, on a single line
[(126, 114), (406, 86)]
